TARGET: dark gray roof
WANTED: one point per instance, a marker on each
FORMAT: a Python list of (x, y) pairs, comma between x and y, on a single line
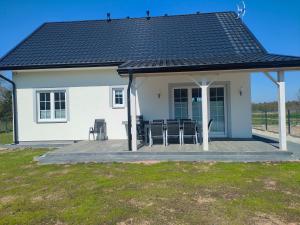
[(183, 40), (225, 62)]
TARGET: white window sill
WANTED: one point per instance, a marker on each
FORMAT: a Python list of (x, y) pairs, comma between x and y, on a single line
[(53, 121), (118, 106)]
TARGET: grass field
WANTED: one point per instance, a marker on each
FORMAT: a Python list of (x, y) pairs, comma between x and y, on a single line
[(6, 138), (162, 193)]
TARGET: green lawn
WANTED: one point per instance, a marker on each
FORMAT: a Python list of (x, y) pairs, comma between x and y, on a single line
[(6, 138), (162, 193)]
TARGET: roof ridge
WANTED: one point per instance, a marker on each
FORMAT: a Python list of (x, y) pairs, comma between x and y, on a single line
[(136, 18)]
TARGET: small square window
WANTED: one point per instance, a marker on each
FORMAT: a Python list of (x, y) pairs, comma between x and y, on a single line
[(118, 97)]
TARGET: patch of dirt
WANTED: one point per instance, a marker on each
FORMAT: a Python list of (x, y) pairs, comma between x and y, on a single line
[(140, 204), (265, 219), (270, 184), (146, 162), (60, 223), (52, 197), (290, 193), (130, 221), (201, 200), (29, 166), (37, 199), (7, 199), (171, 210), (231, 195), (204, 167), (59, 172)]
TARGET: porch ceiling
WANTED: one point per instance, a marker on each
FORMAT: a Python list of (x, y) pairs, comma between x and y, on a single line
[(210, 63)]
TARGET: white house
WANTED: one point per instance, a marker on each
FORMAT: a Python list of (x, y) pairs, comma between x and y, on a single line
[(67, 74)]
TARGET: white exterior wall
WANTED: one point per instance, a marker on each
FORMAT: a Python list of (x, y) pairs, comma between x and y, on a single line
[(88, 95), (238, 107), (88, 99)]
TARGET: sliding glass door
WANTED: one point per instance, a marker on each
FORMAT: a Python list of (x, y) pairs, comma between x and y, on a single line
[(217, 109), (197, 105), (187, 103)]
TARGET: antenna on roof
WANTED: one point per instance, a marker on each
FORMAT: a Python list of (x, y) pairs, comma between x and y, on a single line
[(108, 17), (241, 10), (148, 14)]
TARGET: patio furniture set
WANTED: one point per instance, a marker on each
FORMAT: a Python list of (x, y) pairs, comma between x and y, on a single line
[(174, 129), (158, 129)]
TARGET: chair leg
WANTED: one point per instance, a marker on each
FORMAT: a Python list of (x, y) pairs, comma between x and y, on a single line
[(167, 143)]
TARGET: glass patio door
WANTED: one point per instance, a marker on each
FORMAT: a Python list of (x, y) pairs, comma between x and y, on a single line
[(181, 103), (197, 105), (217, 110), (188, 104)]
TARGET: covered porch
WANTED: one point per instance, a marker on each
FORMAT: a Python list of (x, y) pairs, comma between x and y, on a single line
[(204, 77)]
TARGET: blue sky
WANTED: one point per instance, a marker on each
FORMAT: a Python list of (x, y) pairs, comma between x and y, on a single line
[(276, 24)]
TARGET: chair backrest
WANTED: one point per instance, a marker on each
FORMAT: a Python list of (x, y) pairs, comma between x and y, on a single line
[(173, 127), (172, 120), (99, 124), (184, 120), (156, 129), (158, 121), (189, 127), (209, 124)]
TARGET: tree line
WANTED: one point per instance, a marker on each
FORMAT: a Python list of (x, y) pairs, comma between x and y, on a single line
[(273, 106), (5, 103)]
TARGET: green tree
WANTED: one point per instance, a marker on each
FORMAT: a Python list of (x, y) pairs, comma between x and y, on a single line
[(5, 103)]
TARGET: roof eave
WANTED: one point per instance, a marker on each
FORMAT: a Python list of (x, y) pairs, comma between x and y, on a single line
[(214, 67), (60, 66)]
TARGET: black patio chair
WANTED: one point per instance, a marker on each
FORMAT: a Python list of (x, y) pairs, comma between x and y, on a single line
[(173, 131), (184, 120), (199, 131), (209, 127), (172, 120), (156, 132), (140, 128), (99, 128), (189, 131), (159, 121)]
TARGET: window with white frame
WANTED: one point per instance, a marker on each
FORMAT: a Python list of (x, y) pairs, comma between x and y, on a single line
[(118, 97), (51, 106)]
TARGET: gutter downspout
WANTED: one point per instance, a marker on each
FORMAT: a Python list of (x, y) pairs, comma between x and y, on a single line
[(129, 113), (15, 117)]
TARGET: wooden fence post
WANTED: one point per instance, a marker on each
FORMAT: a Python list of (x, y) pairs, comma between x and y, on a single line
[(266, 120)]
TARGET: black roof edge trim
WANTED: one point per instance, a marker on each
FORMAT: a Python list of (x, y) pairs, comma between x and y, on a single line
[(235, 66), (61, 66)]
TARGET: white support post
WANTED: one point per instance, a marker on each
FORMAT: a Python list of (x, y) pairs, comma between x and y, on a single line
[(281, 111), (204, 91), (133, 114)]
